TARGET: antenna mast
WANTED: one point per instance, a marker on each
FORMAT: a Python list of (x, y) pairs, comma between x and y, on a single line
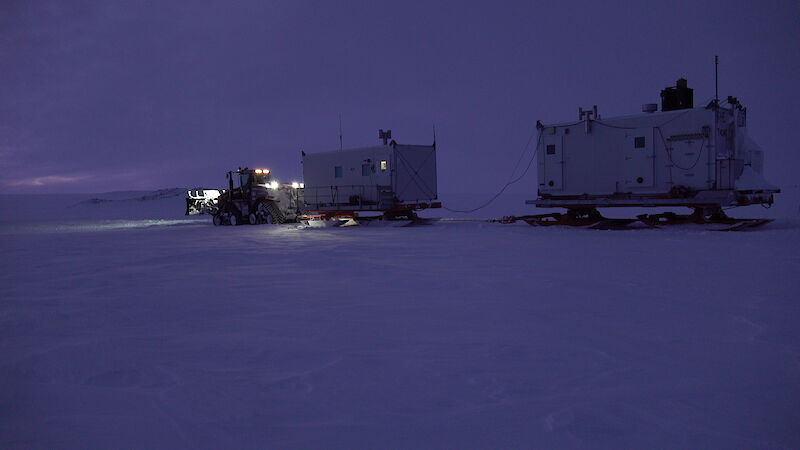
[(716, 79), (340, 132)]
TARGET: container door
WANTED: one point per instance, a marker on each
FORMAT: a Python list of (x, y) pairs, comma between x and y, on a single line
[(724, 174), (639, 158), (553, 162)]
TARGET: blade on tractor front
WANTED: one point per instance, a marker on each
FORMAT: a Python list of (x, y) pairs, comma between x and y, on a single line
[(202, 201)]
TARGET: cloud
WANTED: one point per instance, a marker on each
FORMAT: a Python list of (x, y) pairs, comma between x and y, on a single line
[(48, 180)]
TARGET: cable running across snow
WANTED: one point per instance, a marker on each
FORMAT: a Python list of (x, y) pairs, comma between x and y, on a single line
[(511, 179)]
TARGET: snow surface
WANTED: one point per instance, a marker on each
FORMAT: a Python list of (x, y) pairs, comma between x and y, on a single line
[(124, 324)]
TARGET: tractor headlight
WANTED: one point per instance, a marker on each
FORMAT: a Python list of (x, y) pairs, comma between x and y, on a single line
[(295, 185), (273, 185)]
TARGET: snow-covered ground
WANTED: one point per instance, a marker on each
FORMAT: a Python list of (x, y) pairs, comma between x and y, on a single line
[(124, 324)]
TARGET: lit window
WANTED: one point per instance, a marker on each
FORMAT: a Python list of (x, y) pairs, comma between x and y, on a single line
[(337, 171), (384, 165), (365, 170), (639, 142)]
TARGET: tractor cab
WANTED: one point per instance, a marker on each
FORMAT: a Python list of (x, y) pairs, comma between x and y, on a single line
[(249, 183)]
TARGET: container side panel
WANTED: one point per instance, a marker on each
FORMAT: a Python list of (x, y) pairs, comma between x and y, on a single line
[(685, 150), (345, 177), (688, 161), (415, 173)]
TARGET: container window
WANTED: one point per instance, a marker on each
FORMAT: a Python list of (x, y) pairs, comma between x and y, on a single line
[(337, 171), (551, 149), (639, 142), (365, 170), (384, 166)]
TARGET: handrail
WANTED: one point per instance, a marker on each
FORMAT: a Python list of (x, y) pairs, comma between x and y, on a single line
[(334, 191)]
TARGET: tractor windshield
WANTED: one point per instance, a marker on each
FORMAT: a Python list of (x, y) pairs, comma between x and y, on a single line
[(261, 178)]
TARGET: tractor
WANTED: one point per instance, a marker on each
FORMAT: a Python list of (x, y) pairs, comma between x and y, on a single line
[(252, 197)]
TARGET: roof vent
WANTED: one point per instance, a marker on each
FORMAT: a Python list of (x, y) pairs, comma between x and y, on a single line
[(650, 107)]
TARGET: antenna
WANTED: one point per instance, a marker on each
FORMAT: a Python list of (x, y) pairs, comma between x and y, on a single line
[(384, 135), (716, 79), (434, 135), (341, 146)]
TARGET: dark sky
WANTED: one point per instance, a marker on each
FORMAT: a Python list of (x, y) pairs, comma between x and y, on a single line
[(101, 96)]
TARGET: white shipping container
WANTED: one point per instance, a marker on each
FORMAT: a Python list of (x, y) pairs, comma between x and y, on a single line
[(699, 157), (381, 177)]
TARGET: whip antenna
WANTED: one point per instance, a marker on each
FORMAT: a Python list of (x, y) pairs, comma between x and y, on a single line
[(340, 132), (716, 79)]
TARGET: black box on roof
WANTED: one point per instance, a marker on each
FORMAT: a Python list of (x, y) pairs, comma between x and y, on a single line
[(680, 96)]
